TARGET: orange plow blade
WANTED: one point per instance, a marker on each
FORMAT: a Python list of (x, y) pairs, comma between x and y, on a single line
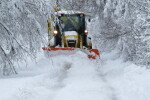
[(92, 53)]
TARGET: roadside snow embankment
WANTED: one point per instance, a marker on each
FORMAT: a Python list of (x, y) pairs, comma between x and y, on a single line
[(129, 81)]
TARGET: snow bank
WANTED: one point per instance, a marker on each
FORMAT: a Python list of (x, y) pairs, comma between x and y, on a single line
[(129, 81)]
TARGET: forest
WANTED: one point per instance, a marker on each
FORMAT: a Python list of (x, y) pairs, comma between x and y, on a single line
[(108, 55)]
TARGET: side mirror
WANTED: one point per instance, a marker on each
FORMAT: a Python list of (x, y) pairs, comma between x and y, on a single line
[(89, 38), (89, 19)]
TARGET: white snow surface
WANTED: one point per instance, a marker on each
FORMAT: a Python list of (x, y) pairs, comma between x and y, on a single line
[(75, 77)]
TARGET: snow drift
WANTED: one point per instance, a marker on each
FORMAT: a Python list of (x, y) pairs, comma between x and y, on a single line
[(76, 77)]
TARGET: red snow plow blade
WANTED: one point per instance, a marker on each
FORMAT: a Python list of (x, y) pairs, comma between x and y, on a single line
[(92, 53)]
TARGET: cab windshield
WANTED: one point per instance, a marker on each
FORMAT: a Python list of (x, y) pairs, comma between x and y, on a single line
[(71, 22)]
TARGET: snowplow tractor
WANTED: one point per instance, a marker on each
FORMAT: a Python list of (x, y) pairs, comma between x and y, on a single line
[(67, 32)]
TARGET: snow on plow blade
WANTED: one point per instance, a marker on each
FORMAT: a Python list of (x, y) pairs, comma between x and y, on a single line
[(92, 53)]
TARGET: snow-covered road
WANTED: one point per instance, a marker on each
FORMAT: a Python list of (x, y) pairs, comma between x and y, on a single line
[(75, 77), (81, 81)]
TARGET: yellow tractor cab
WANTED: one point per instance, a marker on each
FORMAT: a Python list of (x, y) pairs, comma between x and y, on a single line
[(67, 31), (70, 29)]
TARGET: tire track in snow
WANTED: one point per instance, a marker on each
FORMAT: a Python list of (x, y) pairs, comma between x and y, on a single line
[(113, 94), (83, 82)]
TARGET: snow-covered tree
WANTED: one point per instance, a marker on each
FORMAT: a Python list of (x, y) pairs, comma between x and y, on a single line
[(21, 31)]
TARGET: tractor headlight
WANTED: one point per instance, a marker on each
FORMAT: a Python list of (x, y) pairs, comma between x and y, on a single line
[(86, 31), (55, 32)]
